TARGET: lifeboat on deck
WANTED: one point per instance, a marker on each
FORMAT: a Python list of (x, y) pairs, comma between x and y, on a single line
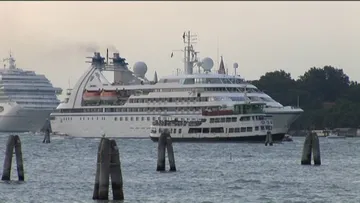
[(109, 95), (91, 96)]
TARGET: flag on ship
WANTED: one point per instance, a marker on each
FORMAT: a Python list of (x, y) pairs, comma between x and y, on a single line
[(172, 54), (183, 37), (222, 67)]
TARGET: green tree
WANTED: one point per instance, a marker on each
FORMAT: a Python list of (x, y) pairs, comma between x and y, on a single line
[(327, 96), (273, 84)]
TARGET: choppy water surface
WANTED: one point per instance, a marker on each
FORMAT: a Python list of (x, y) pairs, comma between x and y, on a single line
[(64, 171)]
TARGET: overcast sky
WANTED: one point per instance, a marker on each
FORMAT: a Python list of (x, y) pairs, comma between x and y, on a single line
[(53, 38)]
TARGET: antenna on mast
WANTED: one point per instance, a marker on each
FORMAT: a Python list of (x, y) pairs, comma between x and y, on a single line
[(217, 50), (11, 61), (190, 55)]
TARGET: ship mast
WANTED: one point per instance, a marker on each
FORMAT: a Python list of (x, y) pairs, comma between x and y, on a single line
[(190, 55), (11, 61)]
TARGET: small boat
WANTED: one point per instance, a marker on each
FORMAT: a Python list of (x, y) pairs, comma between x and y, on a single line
[(335, 136), (287, 138)]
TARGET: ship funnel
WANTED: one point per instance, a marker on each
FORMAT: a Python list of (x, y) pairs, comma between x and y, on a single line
[(118, 61), (97, 60)]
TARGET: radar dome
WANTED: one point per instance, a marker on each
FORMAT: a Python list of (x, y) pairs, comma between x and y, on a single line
[(236, 65), (207, 63), (140, 69)]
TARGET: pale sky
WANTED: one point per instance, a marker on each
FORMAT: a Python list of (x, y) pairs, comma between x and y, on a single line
[(53, 38)]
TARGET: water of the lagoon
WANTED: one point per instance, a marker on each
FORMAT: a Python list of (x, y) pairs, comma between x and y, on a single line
[(64, 171)]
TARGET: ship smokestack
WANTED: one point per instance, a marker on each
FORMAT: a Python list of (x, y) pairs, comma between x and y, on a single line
[(118, 61), (97, 60)]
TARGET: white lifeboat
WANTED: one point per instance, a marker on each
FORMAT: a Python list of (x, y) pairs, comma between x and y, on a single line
[(93, 96), (109, 95)]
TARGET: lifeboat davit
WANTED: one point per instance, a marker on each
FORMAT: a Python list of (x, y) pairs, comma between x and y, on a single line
[(93, 96), (109, 95)]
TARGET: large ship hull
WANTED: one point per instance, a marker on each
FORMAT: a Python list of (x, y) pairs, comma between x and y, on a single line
[(258, 138), (94, 126), (15, 118), (282, 120)]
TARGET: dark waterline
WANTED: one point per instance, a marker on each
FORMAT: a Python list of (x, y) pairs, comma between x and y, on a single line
[(64, 171)]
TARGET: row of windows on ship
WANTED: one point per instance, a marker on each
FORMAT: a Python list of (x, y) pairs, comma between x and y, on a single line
[(203, 80), (206, 89), (214, 130), (97, 93), (126, 118), (148, 109), (159, 119), (27, 92), (177, 122), (180, 99)]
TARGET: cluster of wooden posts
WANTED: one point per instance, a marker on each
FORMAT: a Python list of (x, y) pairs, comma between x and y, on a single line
[(47, 136), (13, 142), (165, 143), (268, 139), (109, 165), (311, 144)]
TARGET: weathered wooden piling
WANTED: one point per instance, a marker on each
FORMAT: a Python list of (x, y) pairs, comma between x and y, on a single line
[(13, 142), (311, 145), (47, 136), (19, 159), (8, 158), (165, 142), (161, 152), (96, 185), (306, 155), (115, 171), (170, 151), (316, 149), (268, 139), (104, 174), (108, 163)]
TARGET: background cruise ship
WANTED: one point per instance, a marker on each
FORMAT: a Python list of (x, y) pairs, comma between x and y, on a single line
[(26, 99), (127, 107)]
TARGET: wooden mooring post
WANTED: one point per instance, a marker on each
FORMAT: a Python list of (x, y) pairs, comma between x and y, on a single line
[(108, 165), (311, 145), (165, 142), (13, 142), (47, 136), (268, 139)]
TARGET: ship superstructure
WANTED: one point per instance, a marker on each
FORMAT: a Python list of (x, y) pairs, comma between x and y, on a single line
[(128, 106)]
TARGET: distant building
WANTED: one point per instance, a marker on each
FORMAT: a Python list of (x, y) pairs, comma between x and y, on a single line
[(348, 132), (328, 105)]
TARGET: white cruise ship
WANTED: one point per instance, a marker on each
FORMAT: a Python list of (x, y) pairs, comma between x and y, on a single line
[(127, 107), (26, 99)]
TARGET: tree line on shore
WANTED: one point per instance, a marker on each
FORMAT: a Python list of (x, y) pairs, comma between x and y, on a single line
[(327, 96)]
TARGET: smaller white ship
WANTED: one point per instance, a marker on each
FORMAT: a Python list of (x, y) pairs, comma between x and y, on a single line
[(240, 123), (334, 135)]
